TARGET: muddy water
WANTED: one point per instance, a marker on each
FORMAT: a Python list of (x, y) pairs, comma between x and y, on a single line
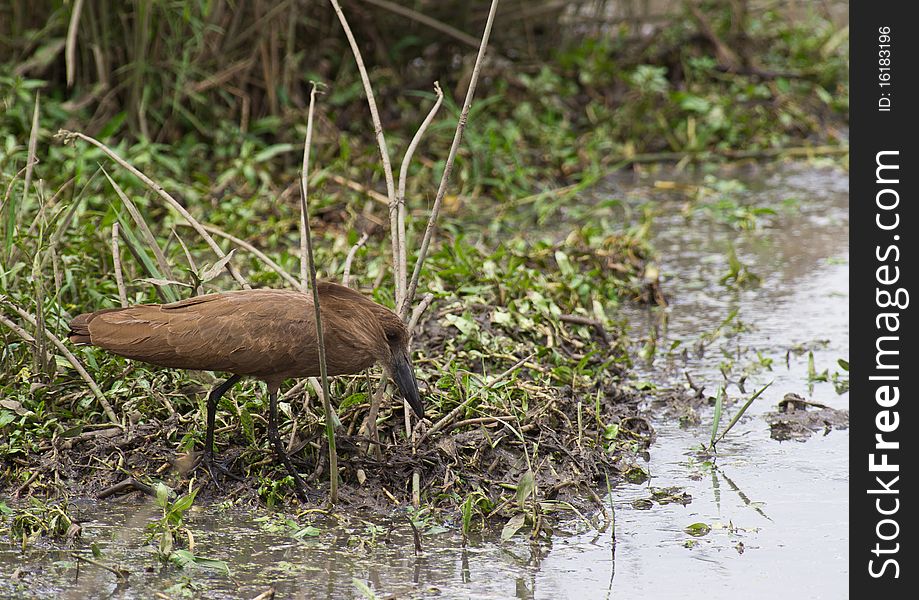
[(778, 510)]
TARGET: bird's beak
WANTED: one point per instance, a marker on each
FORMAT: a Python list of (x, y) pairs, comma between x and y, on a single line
[(404, 377)]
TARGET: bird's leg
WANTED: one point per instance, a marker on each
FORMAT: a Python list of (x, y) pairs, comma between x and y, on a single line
[(212, 399), (369, 427), (275, 438)]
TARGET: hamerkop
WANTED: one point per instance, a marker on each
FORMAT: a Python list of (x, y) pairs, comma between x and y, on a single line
[(266, 334)]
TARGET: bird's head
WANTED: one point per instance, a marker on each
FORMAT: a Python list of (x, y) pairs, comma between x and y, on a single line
[(398, 363), (379, 330)]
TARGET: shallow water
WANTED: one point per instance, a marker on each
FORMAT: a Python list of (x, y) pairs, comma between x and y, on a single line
[(778, 510)]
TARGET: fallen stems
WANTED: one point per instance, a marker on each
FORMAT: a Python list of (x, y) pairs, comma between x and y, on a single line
[(73, 361), (67, 136)]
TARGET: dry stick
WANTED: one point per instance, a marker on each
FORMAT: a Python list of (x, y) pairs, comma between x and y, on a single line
[(255, 252), (71, 44), (456, 411), (426, 20), (116, 259), (381, 142), (41, 214), (31, 159), (346, 276), (73, 361), (162, 193), (402, 268), (145, 232), (323, 372), (448, 167), (304, 267), (357, 187), (199, 289)]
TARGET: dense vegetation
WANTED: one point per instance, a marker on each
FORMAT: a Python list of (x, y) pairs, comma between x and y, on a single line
[(522, 330)]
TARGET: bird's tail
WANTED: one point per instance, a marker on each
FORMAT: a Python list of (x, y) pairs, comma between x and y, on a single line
[(79, 326), (79, 329)]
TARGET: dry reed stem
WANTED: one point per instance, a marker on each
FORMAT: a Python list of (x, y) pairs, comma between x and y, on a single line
[(426, 20), (402, 269), (71, 43), (304, 267), (358, 187), (162, 193), (323, 370), (381, 142), (145, 232), (346, 275), (31, 158), (419, 310), (73, 361), (255, 252), (448, 167), (462, 406), (116, 260), (199, 289)]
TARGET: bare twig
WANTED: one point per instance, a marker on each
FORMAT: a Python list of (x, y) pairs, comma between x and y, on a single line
[(73, 361), (448, 418), (304, 267), (255, 252), (402, 265), (357, 187), (70, 57), (116, 260), (199, 289), (323, 371), (141, 223), (31, 158), (162, 193), (448, 167), (346, 276), (419, 310), (381, 142), (426, 20)]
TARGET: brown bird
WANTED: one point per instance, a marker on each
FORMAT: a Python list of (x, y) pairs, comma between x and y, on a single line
[(266, 334)]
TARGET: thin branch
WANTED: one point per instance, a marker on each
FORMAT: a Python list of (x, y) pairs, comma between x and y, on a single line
[(419, 310), (162, 193), (381, 142), (116, 260), (426, 20), (304, 267), (199, 289), (323, 371), (70, 57), (346, 276), (447, 419), (448, 167), (31, 158), (357, 187), (255, 252), (402, 269), (73, 361), (145, 231)]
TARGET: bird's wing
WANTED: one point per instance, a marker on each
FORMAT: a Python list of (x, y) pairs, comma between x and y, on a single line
[(250, 332)]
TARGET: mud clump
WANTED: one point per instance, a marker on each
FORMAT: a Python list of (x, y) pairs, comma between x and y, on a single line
[(798, 419)]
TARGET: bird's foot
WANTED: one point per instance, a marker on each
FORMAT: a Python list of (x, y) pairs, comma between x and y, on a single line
[(212, 465)]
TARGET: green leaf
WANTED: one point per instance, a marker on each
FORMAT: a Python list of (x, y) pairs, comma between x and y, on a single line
[(364, 589), (513, 525), (719, 404), (217, 267), (525, 487), (698, 529)]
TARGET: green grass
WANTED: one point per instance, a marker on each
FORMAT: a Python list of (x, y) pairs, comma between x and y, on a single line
[(513, 260)]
